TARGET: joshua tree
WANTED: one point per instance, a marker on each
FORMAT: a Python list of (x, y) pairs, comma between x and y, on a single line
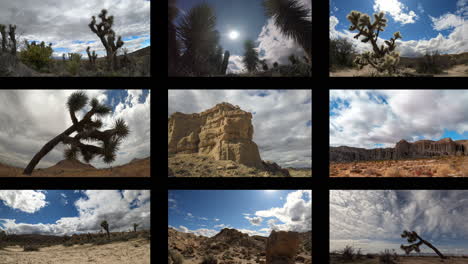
[(250, 59), (4, 38), (294, 21), (5, 42), (135, 225), (275, 65), (12, 39), (105, 226), (383, 58), (413, 237), (199, 38), (172, 45), (87, 129), (264, 65), (225, 63), (104, 31), (92, 57), (292, 59)]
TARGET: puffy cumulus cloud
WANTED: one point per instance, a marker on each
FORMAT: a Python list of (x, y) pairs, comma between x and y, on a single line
[(374, 220), (396, 9), (44, 116), (235, 64), (256, 220), (295, 215), (65, 23), (28, 201), (97, 205), (199, 232), (454, 42), (366, 118), (280, 118)]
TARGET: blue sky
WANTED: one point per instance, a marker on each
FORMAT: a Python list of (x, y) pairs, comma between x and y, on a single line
[(373, 220), (255, 212), (424, 24), (380, 118), (59, 212), (65, 23), (248, 18)]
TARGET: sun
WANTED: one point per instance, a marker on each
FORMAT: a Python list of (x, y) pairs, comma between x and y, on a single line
[(233, 34)]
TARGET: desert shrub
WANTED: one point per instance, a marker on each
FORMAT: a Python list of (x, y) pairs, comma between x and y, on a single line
[(209, 259), (73, 65), (387, 257), (370, 256), (359, 254), (348, 253), (30, 248), (430, 63), (341, 53), (39, 57), (176, 257), (393, 172), (100, 242), (68, 244)]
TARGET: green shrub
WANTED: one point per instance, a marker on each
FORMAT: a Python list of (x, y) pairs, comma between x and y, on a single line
[(430, 63), (30, 248), (39, 57), (74, 63)]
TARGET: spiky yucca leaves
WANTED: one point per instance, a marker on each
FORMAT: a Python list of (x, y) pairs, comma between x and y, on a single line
[(412, 237), (383, 58), (294, 21), (199, 39), (250, 58), (105, 226), (172, 44), (88, 129)]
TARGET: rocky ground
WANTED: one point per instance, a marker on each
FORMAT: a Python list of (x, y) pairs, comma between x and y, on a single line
[(136, 168), (447, 166), (229, 246), (196, 165), (455, 71), (402, 260)]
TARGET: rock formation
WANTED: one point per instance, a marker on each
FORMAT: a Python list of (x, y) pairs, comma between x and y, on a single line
[(402, 150), (282, 247), (223, 132)]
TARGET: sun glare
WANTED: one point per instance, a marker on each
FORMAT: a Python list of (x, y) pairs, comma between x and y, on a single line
[(233, 34)]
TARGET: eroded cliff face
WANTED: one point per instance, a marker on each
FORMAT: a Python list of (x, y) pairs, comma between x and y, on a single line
[(402, 150), (223, 132)]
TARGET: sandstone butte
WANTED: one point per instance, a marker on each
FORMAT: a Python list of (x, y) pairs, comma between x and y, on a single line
[(223, 132), (402, 150)]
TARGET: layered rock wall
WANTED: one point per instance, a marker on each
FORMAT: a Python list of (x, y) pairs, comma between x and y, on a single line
[(282, 247), (402, 150), (223, 132)]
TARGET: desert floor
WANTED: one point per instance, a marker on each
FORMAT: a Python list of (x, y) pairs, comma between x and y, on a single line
[(455, 71), (450, 166), (406, 260), (135, 251), (139, 168)]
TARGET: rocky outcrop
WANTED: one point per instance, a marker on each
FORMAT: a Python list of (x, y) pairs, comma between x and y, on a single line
[(223, 132), (402, 150), (282, 247)]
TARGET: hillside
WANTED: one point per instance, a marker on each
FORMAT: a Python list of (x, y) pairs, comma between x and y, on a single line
[(64, 168)]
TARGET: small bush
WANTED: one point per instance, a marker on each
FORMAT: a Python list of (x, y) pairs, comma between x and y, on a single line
[(68, 244), (342, 53), (30, 248), (348, 253), (39, 57), (74, 63), (387, 257), (209, 259), (430, 63), (393, 172), (176, 257)]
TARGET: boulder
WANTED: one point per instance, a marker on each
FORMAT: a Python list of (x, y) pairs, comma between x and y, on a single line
[(282, 247)]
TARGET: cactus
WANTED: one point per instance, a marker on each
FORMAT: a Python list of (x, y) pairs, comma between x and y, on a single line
[(104, 31), (105, 226), (225, 63), (413, 237), (92, 57), (87, 129), (383, 58)]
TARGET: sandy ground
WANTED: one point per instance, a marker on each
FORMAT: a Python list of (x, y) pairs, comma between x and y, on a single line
[(139, 168), (449, 166), (455, 71), (135, 251), (407, 260)]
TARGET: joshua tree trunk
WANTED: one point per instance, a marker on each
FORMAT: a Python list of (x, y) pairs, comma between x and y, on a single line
[(47, 148), (412, 237), (432, 247)]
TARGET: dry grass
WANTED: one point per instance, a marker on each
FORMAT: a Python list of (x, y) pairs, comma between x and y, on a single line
[(393, 172), (140, 168)]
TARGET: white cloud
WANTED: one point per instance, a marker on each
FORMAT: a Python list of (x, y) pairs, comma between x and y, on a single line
[(256, 220), (447, 21), (44, 116), (235, 64), (296, 213), (199, 232), (216, 219), (366, 118), (374, 220), (63, 23), (28, 201), (396, 9), (280, 119), (96, 206)]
